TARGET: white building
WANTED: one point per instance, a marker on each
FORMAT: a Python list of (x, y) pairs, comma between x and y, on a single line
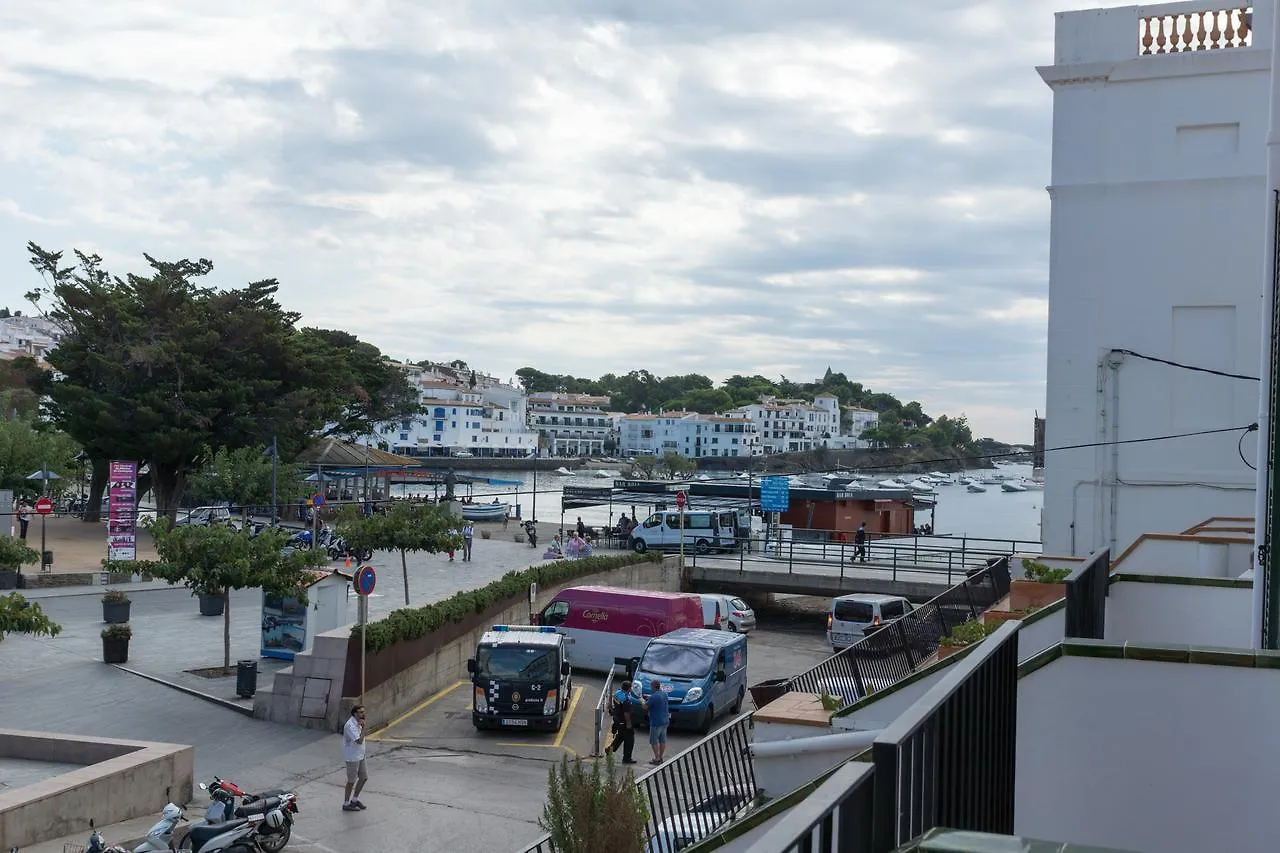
[(692, 435), (790, 426), (485, 420), (573, 424), (1157, 247), (24, 335)]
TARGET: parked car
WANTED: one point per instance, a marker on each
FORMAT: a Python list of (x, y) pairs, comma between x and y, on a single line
[(463, 454), (713, 612), (737, 614), (204, 515), (852, 615)]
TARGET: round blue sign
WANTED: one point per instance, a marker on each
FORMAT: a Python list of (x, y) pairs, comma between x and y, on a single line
[(317, 499), (366, 579)]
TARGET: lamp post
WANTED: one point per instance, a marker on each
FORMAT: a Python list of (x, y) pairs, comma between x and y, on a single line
[(274, 453)]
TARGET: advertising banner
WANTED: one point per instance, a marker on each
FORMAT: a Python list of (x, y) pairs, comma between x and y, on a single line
[(284, 627), (122, 513)]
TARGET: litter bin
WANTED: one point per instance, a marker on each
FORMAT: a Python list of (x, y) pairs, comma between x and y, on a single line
[(46, 561), (246, 678), (766, 691)]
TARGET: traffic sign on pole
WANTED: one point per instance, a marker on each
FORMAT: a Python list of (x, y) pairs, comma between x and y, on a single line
[(317, 499), (680, 500), (44, 506), (366, 580)]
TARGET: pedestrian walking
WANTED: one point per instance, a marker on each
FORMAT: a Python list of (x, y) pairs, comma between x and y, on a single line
[(659, 719), (353, 756), (468, 532), (624, 730), (860, 543), (24, 517), (451, 533), (582, 528)]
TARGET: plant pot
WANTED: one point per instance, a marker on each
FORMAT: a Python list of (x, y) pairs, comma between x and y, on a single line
[(115, 612), (115, 651), (211, 605), (996, 618), (1024, 594), (8, 579)]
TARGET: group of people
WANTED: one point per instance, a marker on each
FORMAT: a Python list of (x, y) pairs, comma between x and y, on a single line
[(574, 546), (625, 711)]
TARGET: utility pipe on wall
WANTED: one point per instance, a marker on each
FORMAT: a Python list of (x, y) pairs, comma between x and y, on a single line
[(820, 743)]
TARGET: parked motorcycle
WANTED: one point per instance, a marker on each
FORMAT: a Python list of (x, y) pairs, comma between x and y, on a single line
[(97, 844), (160, 836), (224, 794), (239, 835)]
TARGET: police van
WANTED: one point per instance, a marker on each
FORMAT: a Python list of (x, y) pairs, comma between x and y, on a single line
[(520, 678)]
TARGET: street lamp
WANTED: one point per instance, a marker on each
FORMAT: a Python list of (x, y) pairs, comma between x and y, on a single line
[(274, 453)]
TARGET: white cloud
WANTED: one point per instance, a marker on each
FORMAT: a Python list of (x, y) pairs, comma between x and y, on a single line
[(722, 187)]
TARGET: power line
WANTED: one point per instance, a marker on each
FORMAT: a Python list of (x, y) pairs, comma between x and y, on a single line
[(1240, 446), (1182, 366)]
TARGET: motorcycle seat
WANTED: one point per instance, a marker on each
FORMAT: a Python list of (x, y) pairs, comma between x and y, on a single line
[(258, 806), (200, 834)]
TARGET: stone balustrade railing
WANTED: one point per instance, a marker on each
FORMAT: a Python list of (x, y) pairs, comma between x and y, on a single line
[(1211, 29)]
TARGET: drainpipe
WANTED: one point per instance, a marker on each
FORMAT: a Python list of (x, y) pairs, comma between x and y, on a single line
[(1114, 360), (850, 741), (1266, 592)]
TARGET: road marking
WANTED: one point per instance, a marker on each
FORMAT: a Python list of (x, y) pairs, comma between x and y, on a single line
[(524, 745), (423, 705), (568, 717)]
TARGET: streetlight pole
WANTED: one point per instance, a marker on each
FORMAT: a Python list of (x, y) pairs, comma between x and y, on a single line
[(275, 460)]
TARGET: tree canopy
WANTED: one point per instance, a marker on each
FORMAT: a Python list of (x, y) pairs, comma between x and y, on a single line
[(243, 477), (19, 616), (158, 368)]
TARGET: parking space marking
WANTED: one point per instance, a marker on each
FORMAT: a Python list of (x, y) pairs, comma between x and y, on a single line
[(421, 706), (568, 717), (567, 749)]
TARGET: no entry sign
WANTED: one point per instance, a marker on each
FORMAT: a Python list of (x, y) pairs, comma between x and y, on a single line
[(44, 506)]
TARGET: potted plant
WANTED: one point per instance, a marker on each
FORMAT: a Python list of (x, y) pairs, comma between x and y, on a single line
[(212, 599), (13, 554), (115, 643), (115, 607), (1043, 586), (995, 617), (962, 636)]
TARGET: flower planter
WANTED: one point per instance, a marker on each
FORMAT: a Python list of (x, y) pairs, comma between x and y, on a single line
[(115, 651), (945, 652), (995, 618), (115, 612), (211, 605), (8, 579), (1024, 594)]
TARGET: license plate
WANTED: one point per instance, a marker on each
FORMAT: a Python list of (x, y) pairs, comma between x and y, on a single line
[(515, 722), (844, 638)]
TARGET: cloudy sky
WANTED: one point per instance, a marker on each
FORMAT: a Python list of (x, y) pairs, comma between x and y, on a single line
[(719, 186)]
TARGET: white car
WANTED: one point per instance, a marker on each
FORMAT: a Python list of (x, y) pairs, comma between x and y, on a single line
[(463, 454), (684, 830), (738, 615), (204, 515)]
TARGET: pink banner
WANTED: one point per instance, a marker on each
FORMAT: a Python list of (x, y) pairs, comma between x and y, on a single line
[(122, 512)]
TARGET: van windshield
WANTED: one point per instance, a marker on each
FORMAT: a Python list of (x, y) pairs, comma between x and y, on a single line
[(853, 611), (677, 661), (498, 662)]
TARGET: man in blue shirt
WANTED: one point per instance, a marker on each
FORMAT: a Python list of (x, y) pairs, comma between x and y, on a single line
[(659, 719)]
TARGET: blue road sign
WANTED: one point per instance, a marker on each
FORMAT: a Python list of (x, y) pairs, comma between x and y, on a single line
[(366, 580), (317, 499), (775, 494)]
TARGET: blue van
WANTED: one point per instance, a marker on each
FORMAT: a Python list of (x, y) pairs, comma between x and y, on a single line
[(703, 673)]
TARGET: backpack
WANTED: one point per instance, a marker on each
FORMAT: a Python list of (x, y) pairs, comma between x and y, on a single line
[(620, 712)]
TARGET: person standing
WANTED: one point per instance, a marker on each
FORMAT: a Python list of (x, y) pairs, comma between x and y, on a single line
[(353, 756), (624, 731), (468, 532), (451, 533), (24, 517), (582, 528), (659, 719), (860, 543)]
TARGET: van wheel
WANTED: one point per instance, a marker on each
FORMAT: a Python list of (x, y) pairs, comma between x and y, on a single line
[(638, 546), (704, 725), (702, 546), (737, 706)]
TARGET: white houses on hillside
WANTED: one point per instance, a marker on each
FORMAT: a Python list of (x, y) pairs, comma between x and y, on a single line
[(1157, 248), (573, 424), (689, 434), (789, 426)]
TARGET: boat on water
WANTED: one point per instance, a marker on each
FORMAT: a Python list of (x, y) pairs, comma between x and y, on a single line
[(602, 475), (562, 472), (1032, 485), (1009, 486), (975, 487), (484, 512), (891, 484), (920, 486)]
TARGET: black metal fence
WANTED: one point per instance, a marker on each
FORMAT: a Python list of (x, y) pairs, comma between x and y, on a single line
[(714, 778), (892, 652), (947, 761), (1087, 597)]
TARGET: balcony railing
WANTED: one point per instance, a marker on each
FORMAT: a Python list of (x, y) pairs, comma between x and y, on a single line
[(1087, 597), (1211, 29), (946, 761)]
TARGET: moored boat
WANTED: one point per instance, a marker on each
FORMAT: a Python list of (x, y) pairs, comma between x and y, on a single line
[(484, 512), (1008, 486)]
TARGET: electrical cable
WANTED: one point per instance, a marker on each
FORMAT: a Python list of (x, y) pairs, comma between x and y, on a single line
[(1240, 446), (1186, 366)]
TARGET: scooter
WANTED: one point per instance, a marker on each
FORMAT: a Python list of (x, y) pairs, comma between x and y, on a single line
[(242, 835), (160, 836), (97, 844), (223, 794)]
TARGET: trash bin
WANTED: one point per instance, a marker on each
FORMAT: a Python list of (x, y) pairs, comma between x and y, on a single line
[(246, 678), (766, 691), (46, 560)]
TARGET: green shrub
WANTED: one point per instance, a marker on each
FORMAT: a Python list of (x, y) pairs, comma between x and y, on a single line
[(410, 623), (1041, 573), (966, 634), (594, 808)]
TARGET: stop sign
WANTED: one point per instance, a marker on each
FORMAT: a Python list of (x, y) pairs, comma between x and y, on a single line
[(44, 506), (680, 500)]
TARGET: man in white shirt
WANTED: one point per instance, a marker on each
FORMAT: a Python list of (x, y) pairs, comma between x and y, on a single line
[(353, 755)]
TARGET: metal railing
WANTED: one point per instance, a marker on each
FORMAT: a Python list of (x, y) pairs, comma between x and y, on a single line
[(1087, 597), (602, 711), (894, 651), (946, 761), (715, 770)]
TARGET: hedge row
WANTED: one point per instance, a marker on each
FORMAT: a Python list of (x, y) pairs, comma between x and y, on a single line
[(410, 623)]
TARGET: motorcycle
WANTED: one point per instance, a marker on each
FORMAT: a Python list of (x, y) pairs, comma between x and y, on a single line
[(160, 836), (96, 843), (239, 835), (223, 794)]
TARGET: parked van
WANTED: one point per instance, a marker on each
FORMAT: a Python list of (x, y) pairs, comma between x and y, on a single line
[(713, 612), (613, 622), (851, 615), (703, 531), (703, 673), (520, 677)]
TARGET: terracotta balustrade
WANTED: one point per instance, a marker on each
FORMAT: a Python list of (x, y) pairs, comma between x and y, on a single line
[(1211, 29)]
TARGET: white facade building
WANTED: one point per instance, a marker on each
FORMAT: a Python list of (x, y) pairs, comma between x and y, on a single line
[(790, 426), (1157, 248), (692, 435), (31, 336), (573, 424)]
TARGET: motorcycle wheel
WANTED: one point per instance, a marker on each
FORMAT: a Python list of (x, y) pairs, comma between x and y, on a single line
[(274, 843)]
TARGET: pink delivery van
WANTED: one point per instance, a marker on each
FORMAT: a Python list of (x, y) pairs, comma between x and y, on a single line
[(613, 622)]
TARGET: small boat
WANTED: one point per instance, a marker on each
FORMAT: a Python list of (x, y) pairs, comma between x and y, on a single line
[(920, 486), (964, 481), (938, 475), (891, 484), (1032, 485), (602, 475), (1008, 486), (483, 512), (743, 475), (562, 472), (976, 487), (702, 477)]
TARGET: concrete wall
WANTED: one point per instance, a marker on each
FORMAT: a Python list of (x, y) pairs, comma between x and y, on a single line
[(1156, 246), (1047, 630), (1142, 612), (1147, 755), (1202, 555), (121, 780), (310, 692)]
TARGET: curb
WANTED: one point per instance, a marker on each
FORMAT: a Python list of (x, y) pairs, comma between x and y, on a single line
[(37, 593), (190, 691)]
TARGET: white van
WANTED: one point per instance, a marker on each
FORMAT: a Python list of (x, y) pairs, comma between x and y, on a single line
[(713, 612), (703, 531), (852, 614)]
